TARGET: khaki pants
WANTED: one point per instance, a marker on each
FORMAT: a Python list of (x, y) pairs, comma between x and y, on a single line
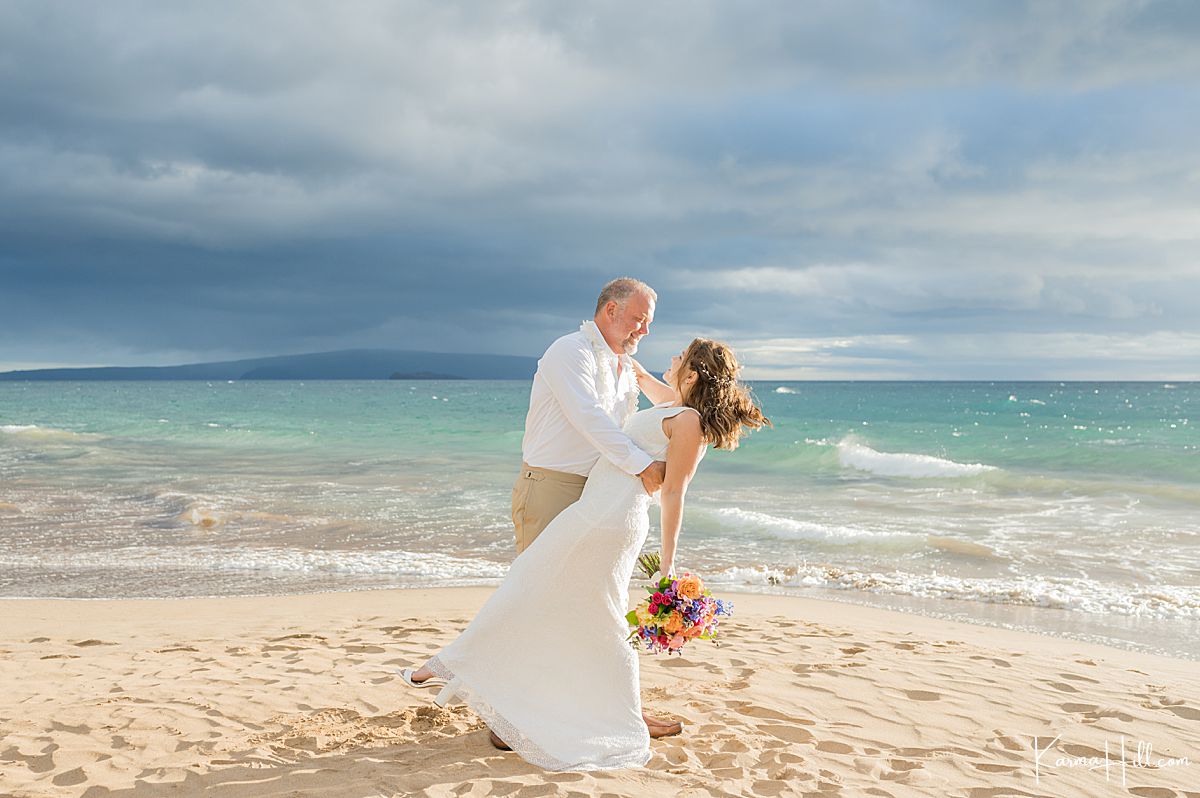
[(538, 496)]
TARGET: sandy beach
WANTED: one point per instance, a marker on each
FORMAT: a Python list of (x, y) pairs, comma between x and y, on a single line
[(295, 696)]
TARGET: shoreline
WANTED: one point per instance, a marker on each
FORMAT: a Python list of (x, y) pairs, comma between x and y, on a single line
[(1049, 622), (822, 609)]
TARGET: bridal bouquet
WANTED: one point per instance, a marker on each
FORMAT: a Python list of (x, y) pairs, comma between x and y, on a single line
[(678, 609)]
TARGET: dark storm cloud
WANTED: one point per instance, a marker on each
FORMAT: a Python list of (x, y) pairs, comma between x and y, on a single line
[(916, 189)]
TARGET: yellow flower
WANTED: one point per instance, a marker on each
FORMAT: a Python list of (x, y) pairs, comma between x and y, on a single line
[(690, 587), (643, 614)]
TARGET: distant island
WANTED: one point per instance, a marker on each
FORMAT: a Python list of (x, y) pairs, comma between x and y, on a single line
[(348, 364), (425, 375)]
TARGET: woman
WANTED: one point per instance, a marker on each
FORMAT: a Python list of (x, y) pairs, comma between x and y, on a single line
[(545, 663)]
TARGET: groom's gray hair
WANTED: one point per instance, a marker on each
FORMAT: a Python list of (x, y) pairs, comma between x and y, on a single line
[(620, 289)]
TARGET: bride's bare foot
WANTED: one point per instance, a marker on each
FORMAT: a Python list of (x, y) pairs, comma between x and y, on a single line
[(660, 727), (421, 674)]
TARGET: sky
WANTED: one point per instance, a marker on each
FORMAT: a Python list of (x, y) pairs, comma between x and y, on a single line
[(841, 190)]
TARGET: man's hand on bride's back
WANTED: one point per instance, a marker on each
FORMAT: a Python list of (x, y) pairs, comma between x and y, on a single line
[(652, 478)]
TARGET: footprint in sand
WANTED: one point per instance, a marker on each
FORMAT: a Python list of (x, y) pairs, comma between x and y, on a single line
[(1063, 687), (994, 660), (988, 767), (297, 636), (1154, 792), (904, 765), (1006, 742), (680, 663), (93, 642), (676, 756), (753, 711), (1162, 702), (69, 778), (790, 734), (36, 764), (923, 695), (1093, 712), (1184, 712), (1077, 678), (834, 747), (1087, 751)]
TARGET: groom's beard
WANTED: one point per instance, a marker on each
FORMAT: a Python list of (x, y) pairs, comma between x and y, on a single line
[(630, 345)]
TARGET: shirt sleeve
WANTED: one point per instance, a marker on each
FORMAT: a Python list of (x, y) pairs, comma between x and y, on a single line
[(569, 372)]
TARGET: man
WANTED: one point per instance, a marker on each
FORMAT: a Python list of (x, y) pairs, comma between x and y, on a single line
[(585, 387)]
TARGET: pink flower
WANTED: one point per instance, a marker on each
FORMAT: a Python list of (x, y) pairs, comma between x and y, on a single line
[(676, 642)]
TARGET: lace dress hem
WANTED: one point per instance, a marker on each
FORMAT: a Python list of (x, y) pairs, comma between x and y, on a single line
[(528, 750)]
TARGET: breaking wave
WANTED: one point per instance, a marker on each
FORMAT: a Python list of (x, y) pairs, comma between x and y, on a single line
[(861, 457), (1080, 595)]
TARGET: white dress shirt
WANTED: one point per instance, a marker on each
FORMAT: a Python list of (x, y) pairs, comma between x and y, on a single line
[(567, 428)]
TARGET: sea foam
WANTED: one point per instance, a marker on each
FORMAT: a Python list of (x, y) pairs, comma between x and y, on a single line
[(861, 457), (408, 567), (33, 432), (793, 529), (1080, 595)]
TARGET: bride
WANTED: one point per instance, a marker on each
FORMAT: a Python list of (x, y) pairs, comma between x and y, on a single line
[(545, 663)]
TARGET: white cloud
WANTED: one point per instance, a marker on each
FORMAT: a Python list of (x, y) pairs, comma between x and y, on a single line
[(1159, 355)]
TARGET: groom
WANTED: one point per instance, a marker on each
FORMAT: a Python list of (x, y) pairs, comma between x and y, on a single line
[(585, 387)]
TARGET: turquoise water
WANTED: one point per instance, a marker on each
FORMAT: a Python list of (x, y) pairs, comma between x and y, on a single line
[(1070, 508)]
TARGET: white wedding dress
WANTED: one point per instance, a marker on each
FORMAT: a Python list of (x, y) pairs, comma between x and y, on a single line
[(546, 663)]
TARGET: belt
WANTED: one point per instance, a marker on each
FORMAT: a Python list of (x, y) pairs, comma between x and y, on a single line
[(533, 472)]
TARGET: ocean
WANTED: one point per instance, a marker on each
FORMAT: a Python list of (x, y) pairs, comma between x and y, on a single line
[(1065, 508)]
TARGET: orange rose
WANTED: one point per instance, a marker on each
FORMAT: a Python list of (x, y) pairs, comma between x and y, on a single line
[(674, 623), (690, 587)]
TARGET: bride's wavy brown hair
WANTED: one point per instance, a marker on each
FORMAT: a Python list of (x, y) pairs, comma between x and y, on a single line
[(727, 408)]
